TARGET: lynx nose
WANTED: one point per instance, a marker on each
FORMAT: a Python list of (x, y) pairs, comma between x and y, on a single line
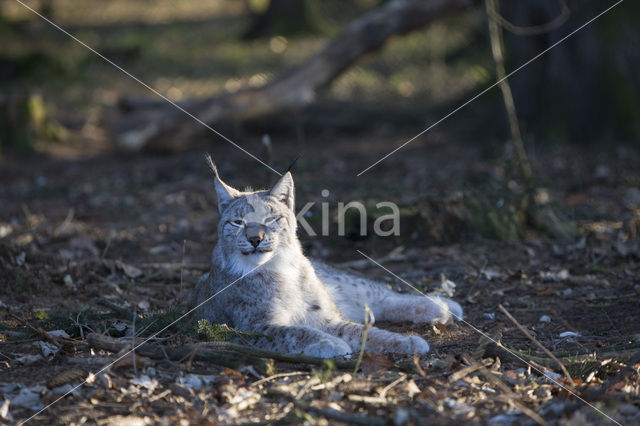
[(254, 235), (255, 239)]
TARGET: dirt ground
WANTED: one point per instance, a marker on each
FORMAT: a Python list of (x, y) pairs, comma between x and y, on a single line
[(99, 251), (137, 230)]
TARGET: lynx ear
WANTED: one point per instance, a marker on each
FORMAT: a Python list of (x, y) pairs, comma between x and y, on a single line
[(226, 194), (283, 190)]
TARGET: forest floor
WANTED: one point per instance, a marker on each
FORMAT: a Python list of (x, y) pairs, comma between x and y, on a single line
[(137, 230), (90, 239)]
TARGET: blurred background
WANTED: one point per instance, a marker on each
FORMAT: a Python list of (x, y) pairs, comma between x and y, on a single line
[(338, 84), (529, 196), (57, 92)]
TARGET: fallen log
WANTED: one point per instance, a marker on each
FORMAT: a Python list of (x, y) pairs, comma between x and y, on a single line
[(226, 354), (178, 353), (162, 126)]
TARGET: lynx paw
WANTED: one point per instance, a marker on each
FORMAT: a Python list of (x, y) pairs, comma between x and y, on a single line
[(411, 345), (386, 341), (328, 348), (454, 308), (416, 345), (438, 309)]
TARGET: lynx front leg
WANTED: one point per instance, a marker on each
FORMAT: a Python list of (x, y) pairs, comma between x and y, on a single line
[(303, 339), (418, 309), (378, 340)]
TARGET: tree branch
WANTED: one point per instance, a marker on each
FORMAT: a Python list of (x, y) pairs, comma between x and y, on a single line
[(164, 127), (226, 354)]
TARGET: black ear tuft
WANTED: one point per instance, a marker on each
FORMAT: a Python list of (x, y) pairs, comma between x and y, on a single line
[(293, 163), (212, 165)]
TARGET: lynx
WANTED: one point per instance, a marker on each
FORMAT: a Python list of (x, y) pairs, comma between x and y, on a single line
[(264, 284)]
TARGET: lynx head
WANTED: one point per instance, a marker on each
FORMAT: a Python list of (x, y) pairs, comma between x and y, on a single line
[(255, 225)]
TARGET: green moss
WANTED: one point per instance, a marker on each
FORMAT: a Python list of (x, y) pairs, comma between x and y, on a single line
[(40, 315), (496, 219), (325, 371), (162, 321), (209, 332), (72, 322), (500, 216)]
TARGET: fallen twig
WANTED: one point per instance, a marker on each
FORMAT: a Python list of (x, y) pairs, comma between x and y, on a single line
[(464, 372), (123, 313), (278, 376), (540, 345), (418, 367), (381, 398), (367, 399), (383, 392), (342, 364), (174, 353), (493, 350), (59, 342)]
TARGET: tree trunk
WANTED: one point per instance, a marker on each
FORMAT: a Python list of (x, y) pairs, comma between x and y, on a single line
[(587, 87)]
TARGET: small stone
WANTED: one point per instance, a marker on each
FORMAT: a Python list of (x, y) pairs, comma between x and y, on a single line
[(46, 348), (68, 282), (191, 381), (628, 410), (401, 417), (27, 398), (59, 333), (552, 375)]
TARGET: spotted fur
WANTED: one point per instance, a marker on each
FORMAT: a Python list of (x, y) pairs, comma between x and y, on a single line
[(304, 306)]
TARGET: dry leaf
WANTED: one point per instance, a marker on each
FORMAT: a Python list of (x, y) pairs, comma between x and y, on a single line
[(68, 376), (411, 388), (127, 361), (372, 362), (183, 391), (125, 421), (232, 373), (129, 271), (440, 327)]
